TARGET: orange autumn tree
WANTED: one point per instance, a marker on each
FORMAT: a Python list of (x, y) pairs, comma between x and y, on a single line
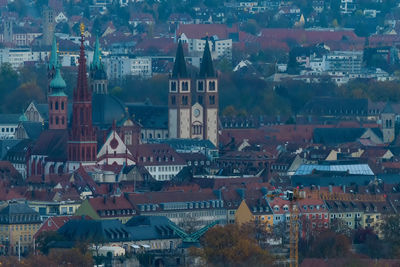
[(232, 245)]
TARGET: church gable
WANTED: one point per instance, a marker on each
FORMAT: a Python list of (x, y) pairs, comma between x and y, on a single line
[(32, 113), (114, 150)]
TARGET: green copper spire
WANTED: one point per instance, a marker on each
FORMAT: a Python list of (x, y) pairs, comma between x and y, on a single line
[(58, 82), (179, 70), (96, 63), (53, 54), (207, 67), (22, 117)]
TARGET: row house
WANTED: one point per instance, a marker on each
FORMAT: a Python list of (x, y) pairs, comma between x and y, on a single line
[(196, 208), (108, 208), (314, 216), (160, 160)]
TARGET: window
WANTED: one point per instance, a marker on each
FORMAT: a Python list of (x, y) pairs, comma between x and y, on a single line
[(56, 105), (211, 86), (62, 105), (200, 86), (212, 100), (173, 100), (185, 86)]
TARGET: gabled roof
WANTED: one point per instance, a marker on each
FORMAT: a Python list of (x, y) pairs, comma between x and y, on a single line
[(32, 129), (52, 143)]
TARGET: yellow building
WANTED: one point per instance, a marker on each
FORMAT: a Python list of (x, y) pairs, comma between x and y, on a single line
[(55, 208), (18, 224), (257, 212)]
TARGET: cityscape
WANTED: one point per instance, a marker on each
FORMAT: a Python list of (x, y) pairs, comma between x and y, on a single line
[(200, 133)]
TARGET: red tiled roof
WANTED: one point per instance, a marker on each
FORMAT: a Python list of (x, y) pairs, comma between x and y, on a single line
[(156, 154), (198, 31), (110, 203), (164, 45), (171, 196)]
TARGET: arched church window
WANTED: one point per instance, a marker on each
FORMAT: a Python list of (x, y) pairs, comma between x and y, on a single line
[(212, 100), (200, 86), (57, 120), (51, 105), (185, 86), (211, 86), (56, 105), (173, 87), (62, 105)]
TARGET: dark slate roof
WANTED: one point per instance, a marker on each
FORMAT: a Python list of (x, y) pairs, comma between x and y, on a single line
[(150, 228), (336, 106), (43, 109), (9, 118), (15, 208), (106, 109), (6, 145), (378, 132), (105, 230), (33, 129), (179, 70), (52, 143), (185, 144), (337, 135), (388, 109), (148, 115), (206, 66), (19, 149)]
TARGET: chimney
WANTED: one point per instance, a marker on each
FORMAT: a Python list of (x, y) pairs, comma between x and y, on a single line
[(344, 188), (330, 188)]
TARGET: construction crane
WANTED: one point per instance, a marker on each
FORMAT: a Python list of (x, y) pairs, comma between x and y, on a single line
[(293, 197)]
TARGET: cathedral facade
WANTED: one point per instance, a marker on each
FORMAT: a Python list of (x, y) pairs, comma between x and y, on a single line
[(193, 103)]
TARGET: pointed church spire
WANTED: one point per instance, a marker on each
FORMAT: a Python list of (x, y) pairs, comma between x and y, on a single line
[(53, 55), (207, 67), (96, 63), (82, 92), (179, 70)]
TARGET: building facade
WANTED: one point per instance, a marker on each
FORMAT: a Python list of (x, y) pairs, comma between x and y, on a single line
[(193, 115)]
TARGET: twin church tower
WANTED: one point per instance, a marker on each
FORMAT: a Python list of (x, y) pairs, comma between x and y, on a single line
[(193, 113)]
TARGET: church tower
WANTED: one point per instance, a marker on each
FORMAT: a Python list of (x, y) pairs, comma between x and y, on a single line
[(82, 144), (207, 98), (58, 103), (48, 25), (388, 123), (98, 76), (179, 98), (53, 63)]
